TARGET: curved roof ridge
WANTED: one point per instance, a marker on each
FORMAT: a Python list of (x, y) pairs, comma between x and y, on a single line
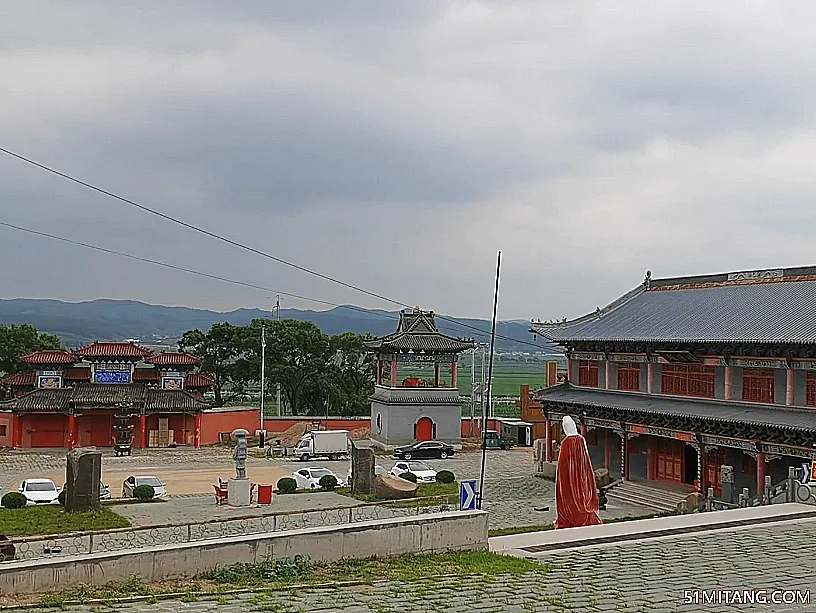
[(542, 327)]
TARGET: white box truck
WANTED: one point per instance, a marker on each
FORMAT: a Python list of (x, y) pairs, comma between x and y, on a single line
[(331, 444)]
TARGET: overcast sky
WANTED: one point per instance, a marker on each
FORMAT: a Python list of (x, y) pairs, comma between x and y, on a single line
[(399, 145)]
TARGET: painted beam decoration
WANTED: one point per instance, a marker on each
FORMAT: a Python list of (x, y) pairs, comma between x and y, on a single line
[(629, 358), (744, 363), (588, 356), (781, 450), (675, 434), (424, 358), (755, 275), (803, 365), (112, 373)]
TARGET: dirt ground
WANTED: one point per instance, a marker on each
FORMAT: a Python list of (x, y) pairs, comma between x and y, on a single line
[(182, 481)]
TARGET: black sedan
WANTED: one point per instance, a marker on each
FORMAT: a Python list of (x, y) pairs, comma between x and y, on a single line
[(424, 450)]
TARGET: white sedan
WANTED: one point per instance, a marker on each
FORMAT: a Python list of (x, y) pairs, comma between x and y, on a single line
[(423, 472), (309, 478), (39, 491)]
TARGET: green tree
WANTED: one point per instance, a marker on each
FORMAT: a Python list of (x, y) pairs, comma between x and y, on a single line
[(17, 341), (223, 356), (352, 375), (297, 357)]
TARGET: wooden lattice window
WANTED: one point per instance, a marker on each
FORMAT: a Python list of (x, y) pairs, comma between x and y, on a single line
[(629, 376), (810, 390), (758, 385), (588, 373), (688, 380)]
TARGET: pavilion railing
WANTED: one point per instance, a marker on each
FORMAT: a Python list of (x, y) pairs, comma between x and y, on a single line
[(36, 547), (787, 490)]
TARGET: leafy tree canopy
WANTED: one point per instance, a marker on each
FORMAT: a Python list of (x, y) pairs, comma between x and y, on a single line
[(17, 341)]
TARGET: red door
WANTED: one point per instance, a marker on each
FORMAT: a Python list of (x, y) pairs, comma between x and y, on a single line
[(424, 429), (47, 438), (669, 460), (101, 431), (714, 459)]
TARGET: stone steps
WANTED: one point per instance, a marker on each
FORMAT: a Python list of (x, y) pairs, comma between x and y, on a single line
[(658, 499)]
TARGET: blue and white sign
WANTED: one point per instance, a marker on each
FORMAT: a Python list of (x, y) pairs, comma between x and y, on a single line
[(808, 474), (467, 495)]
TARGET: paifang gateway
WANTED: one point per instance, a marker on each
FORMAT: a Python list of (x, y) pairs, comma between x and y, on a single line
[(682, 376)]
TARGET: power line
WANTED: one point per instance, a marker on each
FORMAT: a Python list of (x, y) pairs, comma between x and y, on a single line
[(244, 246)]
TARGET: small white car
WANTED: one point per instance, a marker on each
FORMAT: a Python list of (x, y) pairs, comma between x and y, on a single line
[(39, 491), (131, 483), (423, 472), (309, 478)]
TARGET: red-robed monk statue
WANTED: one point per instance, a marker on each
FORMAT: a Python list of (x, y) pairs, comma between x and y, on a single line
[(575, 495)]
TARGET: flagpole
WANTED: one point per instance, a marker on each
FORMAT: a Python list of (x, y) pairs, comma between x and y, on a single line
[(489, 385)]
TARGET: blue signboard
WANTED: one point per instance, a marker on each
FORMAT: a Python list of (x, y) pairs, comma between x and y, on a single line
[(467, 495), (106, 376)]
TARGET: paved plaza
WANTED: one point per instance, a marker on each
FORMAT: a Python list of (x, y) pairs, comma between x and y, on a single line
[(644, 576), (511, 494)]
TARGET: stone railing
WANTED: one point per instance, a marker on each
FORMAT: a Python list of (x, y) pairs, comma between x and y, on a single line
[(787, 490)]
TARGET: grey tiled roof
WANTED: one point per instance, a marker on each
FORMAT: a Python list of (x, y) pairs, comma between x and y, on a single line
[(108, 394), (417, 331), (415, 395), (758, 312), (733, 412), (40, 400), (173, 400)]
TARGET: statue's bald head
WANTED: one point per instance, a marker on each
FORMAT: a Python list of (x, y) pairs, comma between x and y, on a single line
[(570, 429)]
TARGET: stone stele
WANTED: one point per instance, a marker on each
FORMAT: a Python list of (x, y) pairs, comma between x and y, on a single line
[(362, 467), (83, 475)]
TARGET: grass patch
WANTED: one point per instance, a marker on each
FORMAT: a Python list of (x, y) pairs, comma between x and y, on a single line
[(425, 490), (551, 526), (52, 519), (281, 574)]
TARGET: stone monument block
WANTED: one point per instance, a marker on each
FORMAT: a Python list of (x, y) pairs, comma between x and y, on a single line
[(362, 467), (389, 487), (83, 475), (239, 492), (727, 482)]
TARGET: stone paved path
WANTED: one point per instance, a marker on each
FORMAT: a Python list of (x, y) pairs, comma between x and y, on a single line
[(646, 576), (511, 494)]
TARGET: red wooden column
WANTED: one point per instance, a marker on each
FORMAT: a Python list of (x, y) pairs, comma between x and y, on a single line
[(453, 374), (394, 373), (436, 374), (548, 452), (729, 374), (379, 372), (760, 473), (608, 449), (789, 389), (197, 435), (16, 431), (584, 430), (142, 431), (72, 431)]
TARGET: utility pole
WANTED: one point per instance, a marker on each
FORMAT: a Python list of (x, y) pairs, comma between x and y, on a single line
[(482, 386), (277, 308), (473, 392), (263, 373)]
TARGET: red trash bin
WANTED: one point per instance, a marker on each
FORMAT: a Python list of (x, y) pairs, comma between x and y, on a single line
[(264, 494)]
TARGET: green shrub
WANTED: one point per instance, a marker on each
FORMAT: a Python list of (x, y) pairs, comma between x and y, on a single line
[(287, 485), (409, 477), (61, 497), (13, 500), (445, 476), (144, 493), (328, 482)]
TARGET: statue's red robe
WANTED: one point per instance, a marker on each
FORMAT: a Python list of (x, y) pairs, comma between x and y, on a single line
[(575, 495)]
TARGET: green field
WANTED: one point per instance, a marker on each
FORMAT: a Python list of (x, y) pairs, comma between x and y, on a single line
[(508, 377)]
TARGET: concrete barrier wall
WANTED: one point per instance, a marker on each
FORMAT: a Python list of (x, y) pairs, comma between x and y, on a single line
[(417, 534)]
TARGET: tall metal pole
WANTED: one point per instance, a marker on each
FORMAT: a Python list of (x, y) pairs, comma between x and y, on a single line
[(489, 382), (482, 385), (263, 373), (277, 308), (473, 392)]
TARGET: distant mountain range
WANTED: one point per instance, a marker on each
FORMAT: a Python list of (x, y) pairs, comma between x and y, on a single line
[(80, 323)]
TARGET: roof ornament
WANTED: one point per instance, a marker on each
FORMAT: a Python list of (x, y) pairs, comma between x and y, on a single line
[(648, 280)]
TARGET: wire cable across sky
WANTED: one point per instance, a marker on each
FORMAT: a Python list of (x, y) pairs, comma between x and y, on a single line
[(237, 244)]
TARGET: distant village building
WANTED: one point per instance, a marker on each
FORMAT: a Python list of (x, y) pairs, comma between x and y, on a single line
[(72, 399), (409, 410), (682, 376)]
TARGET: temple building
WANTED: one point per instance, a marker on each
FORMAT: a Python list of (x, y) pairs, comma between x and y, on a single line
[(74, 399), (682, 376), (409, 410)]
